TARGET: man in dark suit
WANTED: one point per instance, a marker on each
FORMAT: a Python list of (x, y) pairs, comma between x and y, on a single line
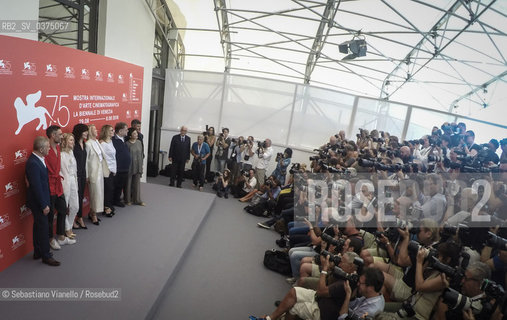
[(38, 200), (179, 154), (122, 162)]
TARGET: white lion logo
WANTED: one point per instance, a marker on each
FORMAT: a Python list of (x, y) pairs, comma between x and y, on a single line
[(1, 220), (18, 154), (84, 72), (120, 77), (49, 68), (15, 240), (2, 64), (67, 70), (27, 66), (27, 113), (9, 187), (110, 75), (97, 73)]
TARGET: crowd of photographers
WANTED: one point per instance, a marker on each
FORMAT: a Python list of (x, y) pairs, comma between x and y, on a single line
[(441, 255)]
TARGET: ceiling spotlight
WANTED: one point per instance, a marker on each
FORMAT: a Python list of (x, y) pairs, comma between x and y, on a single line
[(355, 48)]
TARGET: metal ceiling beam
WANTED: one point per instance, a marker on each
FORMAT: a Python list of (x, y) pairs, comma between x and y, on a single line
[(326, 23), (225, 36), (153, 5), (478, 88), (414, 52)]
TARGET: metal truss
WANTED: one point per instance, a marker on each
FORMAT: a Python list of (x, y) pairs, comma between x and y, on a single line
[(84, 36), (309, 55), (223, 26), (415, 61), (165, 25), (320, 38)]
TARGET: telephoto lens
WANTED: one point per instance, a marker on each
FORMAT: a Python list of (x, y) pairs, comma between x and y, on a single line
[(455, 300)]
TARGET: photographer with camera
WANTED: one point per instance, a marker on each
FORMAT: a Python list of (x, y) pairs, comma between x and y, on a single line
[(370, 300), (200, 151), (428, 284), (210, 139), (282, 163), (222, 186), (265, 200), (322, 304), (431, 200), (249, 153), (222, 155), (399, 283), (245, 185), (264, 152), (470, 288)]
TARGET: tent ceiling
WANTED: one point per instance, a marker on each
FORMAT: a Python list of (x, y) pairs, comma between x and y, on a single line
[(439, 53)]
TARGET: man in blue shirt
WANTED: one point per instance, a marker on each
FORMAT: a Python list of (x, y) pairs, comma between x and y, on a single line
[(371, 301), (200, 150)]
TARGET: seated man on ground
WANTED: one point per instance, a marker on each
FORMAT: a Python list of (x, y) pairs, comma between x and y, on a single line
[(325, 303)]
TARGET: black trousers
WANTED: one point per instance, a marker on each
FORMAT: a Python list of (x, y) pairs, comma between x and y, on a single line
[(208, 164), (59, 205), (120, 184), (109, 191), (177, 172), (81, 184), (40, 234), (198, 170)]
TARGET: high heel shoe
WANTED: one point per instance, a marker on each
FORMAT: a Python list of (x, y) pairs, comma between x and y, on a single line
[(94, 222), (81, 226)]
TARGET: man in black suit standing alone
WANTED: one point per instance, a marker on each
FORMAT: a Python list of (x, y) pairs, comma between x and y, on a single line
[(38, 200), (122, 162), (179, 154)]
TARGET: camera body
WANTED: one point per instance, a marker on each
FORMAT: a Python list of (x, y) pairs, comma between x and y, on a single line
[(279, 156)]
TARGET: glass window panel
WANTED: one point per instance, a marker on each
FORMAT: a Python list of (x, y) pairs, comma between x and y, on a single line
[(192, 99), (258, 107), (319, 114), (379, 115), (422, 121)]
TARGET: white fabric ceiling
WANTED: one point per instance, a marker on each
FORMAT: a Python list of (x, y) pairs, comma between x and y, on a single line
[(274, 39)]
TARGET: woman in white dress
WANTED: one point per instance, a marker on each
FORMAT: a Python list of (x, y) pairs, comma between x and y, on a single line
[(96, 170), (68, 170), (106, 133)]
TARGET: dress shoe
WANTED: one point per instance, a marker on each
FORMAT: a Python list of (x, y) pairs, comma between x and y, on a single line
[(120, 204), (179, 186), (54, 245), (171, 184), (51, 262), (36, 256), (141, 203)]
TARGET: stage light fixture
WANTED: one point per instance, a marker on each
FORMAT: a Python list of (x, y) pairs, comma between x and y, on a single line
[(355, 48)]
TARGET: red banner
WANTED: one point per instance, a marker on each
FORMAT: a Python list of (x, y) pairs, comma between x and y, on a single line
[(43, 84)]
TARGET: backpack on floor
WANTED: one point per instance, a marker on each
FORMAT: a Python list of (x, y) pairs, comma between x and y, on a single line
[(278, 261), (210, 176), (152, 170), (167, 170)]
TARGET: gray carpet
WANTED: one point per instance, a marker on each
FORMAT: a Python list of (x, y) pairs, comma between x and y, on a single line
[(136, 251), (222, 275), (216, 259)]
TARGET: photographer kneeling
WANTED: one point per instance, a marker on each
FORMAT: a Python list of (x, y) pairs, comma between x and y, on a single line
[(246, 184)]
